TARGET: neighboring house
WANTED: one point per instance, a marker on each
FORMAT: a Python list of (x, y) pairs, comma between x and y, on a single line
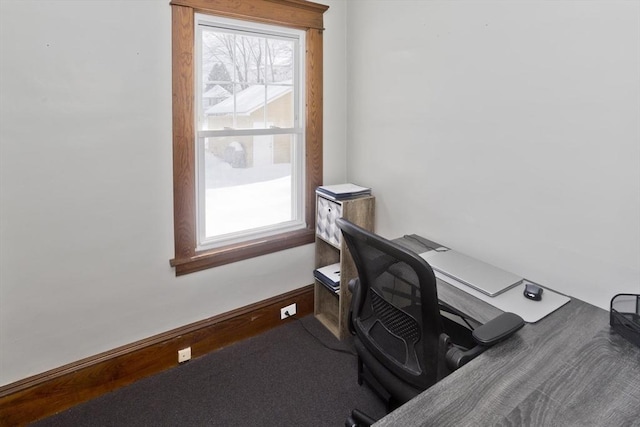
[(248, 106), (214, 95)]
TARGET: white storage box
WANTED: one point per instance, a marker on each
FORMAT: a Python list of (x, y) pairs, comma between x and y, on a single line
[(326, 213)]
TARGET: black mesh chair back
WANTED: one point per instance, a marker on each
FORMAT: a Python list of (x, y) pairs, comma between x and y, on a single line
[(395, 311)]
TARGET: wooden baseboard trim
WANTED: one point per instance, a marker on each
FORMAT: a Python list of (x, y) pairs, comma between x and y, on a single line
[(53, 391)]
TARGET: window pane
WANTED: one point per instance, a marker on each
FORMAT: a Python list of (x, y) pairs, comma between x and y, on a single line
[(249, 107), (247, 183), (250, 59), (246, 80), (280, 106), (280, 65), (217, 72)]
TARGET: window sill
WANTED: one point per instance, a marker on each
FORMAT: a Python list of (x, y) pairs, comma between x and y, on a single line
[(240, 251)]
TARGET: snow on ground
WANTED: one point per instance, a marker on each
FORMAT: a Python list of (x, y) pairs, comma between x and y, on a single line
[(241, 198), (219, 173)]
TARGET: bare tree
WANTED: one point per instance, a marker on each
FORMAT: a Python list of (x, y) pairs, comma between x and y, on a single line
[(248, 59)]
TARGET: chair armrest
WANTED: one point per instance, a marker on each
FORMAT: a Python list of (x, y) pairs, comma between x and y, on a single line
[(492, 332), (498, 329), (456, 357)]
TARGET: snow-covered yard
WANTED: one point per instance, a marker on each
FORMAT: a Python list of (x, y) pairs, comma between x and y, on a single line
[(241, 198)]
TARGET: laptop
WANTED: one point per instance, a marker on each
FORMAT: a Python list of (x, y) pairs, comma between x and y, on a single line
[(479, 275)]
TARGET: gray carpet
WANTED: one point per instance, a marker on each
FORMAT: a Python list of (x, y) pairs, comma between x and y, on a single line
[(284, 377)]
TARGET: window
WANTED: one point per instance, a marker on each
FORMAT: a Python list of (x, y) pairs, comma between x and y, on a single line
[(247, 125), (249, 131)]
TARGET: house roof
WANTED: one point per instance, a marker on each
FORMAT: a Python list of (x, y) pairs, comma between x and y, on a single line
[(216, 92), (248, 100)]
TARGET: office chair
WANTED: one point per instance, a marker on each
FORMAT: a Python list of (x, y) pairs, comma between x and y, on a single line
[(406, 340)]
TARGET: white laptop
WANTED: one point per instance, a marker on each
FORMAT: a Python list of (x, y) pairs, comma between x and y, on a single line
[(479, 275)]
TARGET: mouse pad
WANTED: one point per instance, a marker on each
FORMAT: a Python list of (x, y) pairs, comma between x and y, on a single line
[(512, 300)]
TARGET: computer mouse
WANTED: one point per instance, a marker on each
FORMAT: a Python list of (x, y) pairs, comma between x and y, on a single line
[(533, 292)]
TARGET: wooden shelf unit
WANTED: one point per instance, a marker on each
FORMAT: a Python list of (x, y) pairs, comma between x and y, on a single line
[(332, 308)]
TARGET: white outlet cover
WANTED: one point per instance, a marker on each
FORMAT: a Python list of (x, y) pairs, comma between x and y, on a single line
[(184, 354), (291, 309)]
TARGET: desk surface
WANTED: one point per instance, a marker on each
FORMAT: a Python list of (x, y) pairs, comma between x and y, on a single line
[(569, 369)]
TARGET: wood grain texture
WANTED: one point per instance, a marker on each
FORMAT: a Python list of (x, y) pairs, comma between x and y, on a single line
[(599, 386), (39, 396), (326, 254), (237, 252), (313, 122), (184, 202), (567, 369), (293, 13)]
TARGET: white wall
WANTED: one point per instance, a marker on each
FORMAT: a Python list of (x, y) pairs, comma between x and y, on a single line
[(86, 184), (335, 92), (507, 130)]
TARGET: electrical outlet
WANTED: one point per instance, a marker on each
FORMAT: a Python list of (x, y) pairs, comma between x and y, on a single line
[(184, 355), (288, 311)]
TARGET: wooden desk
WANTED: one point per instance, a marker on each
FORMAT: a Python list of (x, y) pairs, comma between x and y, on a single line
[(568, 369)]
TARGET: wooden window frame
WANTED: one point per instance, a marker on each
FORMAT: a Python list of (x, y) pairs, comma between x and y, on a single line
[(298, 14)]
